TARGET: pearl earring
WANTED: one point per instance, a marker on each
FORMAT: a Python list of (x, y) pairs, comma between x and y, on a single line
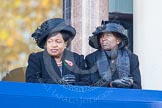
[(117, 41)]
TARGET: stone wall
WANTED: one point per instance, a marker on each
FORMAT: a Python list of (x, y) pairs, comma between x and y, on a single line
[(86, 15)]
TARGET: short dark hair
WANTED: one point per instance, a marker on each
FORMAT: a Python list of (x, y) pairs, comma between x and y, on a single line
[(67, 38), (65, 35)]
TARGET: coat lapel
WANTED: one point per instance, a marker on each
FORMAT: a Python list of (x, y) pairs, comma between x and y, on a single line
[(51, 67), (69, 63)]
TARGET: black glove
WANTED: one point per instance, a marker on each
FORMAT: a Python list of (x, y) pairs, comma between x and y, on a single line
[(69, 79), (125, 82)]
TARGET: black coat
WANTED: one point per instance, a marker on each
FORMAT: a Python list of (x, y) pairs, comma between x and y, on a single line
[(91, 61), (39, 69)]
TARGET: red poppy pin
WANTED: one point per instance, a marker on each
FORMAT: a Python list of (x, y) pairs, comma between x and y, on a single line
[(70, 63)]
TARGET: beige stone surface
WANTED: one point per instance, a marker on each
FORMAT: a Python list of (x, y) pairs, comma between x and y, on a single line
[(86, 16)]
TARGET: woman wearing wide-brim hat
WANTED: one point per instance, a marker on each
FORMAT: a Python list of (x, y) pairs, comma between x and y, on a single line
[(112, 64), (55, 64)]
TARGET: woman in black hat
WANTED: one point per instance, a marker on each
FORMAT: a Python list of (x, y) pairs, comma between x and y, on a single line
[(113, 64), (55, 64)]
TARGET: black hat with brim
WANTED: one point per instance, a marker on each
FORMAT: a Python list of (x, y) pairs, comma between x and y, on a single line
[(51, 26), (110, 27)]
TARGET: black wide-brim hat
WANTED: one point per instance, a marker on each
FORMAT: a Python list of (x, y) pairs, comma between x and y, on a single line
[(110, 27), (51, 26)]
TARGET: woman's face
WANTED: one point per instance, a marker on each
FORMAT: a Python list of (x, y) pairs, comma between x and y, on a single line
[(109, 42), (55, 45)]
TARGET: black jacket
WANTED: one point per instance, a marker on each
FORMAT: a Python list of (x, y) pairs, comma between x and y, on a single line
[(42, 68), (91, 61)]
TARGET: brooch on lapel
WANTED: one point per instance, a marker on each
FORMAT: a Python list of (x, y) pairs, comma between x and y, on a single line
[(70, 63)]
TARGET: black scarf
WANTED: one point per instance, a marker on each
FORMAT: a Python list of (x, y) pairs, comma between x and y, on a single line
[(122, 64)]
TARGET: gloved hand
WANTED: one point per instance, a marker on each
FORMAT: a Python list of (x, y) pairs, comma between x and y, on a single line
[(69, 78), (125, 82)]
